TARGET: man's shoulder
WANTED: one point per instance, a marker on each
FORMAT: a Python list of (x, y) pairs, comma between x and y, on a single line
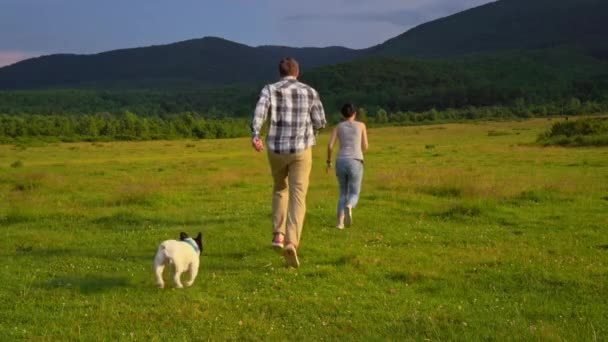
[(290, 83), (305, 86)]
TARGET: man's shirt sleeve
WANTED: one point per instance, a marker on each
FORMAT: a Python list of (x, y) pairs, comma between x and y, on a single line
[(261, 112), (317, 113)]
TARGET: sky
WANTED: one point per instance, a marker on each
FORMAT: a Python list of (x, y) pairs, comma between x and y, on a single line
[(30, 28)]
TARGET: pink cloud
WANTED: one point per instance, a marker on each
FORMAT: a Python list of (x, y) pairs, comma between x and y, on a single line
[(11, 57)]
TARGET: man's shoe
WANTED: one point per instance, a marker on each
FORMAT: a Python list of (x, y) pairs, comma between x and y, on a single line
[(291, 256), (278, 242)]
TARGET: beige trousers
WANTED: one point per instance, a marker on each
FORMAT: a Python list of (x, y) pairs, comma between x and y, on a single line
[(291, 173)]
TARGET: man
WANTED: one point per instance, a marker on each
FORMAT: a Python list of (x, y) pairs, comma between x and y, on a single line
[(296, 115)]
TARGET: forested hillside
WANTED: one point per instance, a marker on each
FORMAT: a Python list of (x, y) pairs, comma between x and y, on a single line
[(543, 77), (509, 25), (534, 77), (193, 63)]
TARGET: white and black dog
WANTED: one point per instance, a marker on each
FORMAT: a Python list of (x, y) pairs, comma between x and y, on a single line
[(183, 255)]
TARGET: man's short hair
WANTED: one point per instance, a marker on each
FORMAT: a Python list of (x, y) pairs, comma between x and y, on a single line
[(288, 67)]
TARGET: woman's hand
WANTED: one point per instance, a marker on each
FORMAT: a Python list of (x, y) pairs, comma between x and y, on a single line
[(328, 166)]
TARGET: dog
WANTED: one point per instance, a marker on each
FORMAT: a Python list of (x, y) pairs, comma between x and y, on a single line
[(183, 255)]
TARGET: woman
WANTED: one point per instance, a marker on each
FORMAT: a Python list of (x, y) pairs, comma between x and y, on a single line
[(352, 135)]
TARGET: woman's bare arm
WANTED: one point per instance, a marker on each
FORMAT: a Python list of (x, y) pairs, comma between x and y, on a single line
[(330, 147), (364, 143), (332, 141)]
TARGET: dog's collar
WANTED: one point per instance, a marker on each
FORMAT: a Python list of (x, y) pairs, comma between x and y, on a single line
[(191, 242)]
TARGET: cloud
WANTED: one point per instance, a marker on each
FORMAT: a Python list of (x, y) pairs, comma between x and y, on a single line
[(405, 15), (400, 18), (358, 23), (12, 57)]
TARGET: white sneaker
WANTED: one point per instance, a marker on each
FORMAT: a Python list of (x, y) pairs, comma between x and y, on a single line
[(291, 256), (340, 226)]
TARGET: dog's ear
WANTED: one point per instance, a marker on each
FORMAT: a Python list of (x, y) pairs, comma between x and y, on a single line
[(199, 241), (183, 236)]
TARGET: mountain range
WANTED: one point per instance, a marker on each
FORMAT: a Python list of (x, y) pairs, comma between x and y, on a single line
[(205, 61), (501, 26), (509, 25), (528, 57)]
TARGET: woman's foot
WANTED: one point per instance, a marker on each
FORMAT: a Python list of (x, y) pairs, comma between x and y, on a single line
[(340, 224), (278, 241), (348, 215)]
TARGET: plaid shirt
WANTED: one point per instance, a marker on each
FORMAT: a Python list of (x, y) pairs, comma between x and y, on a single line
[(296, 115)]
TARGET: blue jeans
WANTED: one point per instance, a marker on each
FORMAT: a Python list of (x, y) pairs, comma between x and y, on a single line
[(350, 174)]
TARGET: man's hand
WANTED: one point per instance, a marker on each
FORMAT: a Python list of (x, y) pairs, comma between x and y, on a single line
[(257, 144)]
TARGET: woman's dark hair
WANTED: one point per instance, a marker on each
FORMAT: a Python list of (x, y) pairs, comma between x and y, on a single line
[(348, 110)]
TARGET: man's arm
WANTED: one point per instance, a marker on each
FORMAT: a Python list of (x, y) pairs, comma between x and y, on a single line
[(259, 117), (317, 114), (261, 112)]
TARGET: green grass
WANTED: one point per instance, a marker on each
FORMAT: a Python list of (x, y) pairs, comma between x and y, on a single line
[(460, 235)]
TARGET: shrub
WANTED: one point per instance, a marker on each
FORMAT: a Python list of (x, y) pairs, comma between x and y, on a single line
[(584, 132)]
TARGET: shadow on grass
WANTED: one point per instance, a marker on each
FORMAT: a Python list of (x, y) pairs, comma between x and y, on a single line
[(127, 218), (235, 253), (19, 215), (347, 260), (537, 196), (44, 253), (459, 211), (232, 260), (90, 284), (442, 191), (407, 277)]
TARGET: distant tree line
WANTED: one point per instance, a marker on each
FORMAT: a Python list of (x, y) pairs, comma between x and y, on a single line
[(124, 126), (519, 110), (211, 102), (130, 126)]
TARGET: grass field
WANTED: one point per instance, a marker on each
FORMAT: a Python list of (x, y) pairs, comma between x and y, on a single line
[(464, 232)]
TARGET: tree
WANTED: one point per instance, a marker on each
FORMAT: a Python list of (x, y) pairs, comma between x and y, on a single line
[(381, 116), (573, 107), (362, 114)]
